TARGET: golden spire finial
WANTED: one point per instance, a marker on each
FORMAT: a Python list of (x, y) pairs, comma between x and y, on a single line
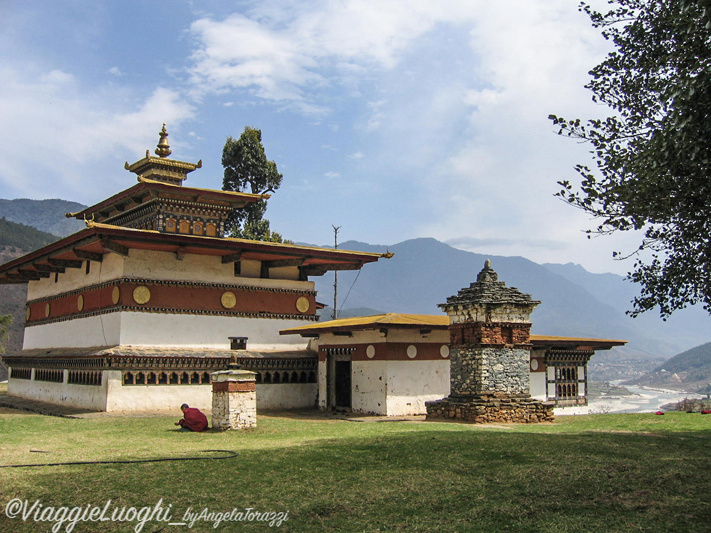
[(163, 149)]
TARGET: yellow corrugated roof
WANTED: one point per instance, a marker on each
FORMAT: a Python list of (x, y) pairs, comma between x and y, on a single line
[(552, 338), (363, 322), (424, 321)]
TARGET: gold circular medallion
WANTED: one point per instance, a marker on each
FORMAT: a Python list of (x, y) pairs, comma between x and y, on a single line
[(302, 304), (228, 300), (46, 310), (141, 294), (28, 314), (80, 303), (115, 295)]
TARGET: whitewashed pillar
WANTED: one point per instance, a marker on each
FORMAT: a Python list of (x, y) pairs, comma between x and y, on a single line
[(234, 399)]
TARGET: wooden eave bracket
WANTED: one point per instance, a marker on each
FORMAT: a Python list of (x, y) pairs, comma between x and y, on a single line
[(88, 256), (232, 258), (31, 274), (64, 263), (284, 262), (320, 270), (114, 247), (40, 267)]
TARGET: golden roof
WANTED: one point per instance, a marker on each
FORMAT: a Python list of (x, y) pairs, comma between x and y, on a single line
[(373, 321), (438, 322)]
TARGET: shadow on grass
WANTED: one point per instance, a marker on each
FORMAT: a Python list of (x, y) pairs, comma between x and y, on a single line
[(433, 477)]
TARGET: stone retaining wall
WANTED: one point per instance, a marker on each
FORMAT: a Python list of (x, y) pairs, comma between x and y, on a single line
[(491, 408)]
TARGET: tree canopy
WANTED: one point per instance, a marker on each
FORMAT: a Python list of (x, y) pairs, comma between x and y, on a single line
[(653, 151), (5, 322), (247, 169)]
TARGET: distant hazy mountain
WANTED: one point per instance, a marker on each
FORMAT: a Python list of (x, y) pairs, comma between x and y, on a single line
[(424, 272), (690, 370), (45, 215)]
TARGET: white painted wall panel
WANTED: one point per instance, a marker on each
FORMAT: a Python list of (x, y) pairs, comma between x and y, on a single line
[(412, 383), (286, 396), (368, 387), (158, 329), (99, 330), (538, 385), (85, 396), (155, 397)]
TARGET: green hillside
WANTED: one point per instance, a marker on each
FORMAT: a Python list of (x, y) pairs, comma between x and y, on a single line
[(22, 237), (45, 215), (694, 360), (17, 240), (689, 370)]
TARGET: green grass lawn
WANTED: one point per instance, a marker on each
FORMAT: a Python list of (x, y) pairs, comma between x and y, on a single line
[(611, 473)]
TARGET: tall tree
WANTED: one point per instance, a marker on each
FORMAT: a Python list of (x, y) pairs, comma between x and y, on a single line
[(247, 169), (653, 153), (5, 322)]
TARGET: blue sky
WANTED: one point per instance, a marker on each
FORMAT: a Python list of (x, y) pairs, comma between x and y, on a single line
[(392, 119)]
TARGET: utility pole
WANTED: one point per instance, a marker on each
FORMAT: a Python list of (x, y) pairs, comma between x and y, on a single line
[(334, 315)]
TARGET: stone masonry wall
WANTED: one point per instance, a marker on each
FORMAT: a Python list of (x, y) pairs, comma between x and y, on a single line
[(491, 408), (477, 370)]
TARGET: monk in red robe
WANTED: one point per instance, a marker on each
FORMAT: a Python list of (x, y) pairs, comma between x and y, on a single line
[(193, 419)]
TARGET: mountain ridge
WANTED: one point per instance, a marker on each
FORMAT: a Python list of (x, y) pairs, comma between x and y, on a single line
[(424, 271)]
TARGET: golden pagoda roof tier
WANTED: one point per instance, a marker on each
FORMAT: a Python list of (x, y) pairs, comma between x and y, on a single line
[(99, 239), (161, 168), (148, 190)]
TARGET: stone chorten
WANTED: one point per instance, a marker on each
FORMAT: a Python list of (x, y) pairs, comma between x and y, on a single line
[(490, 355)]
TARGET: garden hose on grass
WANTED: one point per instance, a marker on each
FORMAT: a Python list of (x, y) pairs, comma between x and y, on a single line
[(230, 455)]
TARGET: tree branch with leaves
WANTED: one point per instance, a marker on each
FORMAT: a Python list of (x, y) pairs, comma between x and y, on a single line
[(653, 153)]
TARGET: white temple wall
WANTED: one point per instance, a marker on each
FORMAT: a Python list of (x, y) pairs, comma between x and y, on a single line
[(286, 395), (209, 269), (150, 264), (91, 397), (76, 278), (162, 329), (412, 383), (98, 330), (369, 387), (372, 336), (538, 385), (550, 372), (397, 388), (121, 397), (159, 329)]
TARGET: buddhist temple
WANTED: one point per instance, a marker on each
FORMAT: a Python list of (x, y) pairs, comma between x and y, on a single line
[(136, 310)]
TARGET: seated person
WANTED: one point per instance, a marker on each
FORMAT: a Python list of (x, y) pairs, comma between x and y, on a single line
[(193, 419)]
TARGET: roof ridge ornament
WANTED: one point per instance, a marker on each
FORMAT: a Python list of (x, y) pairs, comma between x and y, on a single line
[(487, 274), (161, 168), (163, 149)]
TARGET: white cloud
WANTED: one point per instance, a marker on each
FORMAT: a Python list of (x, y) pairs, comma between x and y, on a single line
[(356, 155), (287, 54), (332, 175), (115, 71), (56, 135)]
